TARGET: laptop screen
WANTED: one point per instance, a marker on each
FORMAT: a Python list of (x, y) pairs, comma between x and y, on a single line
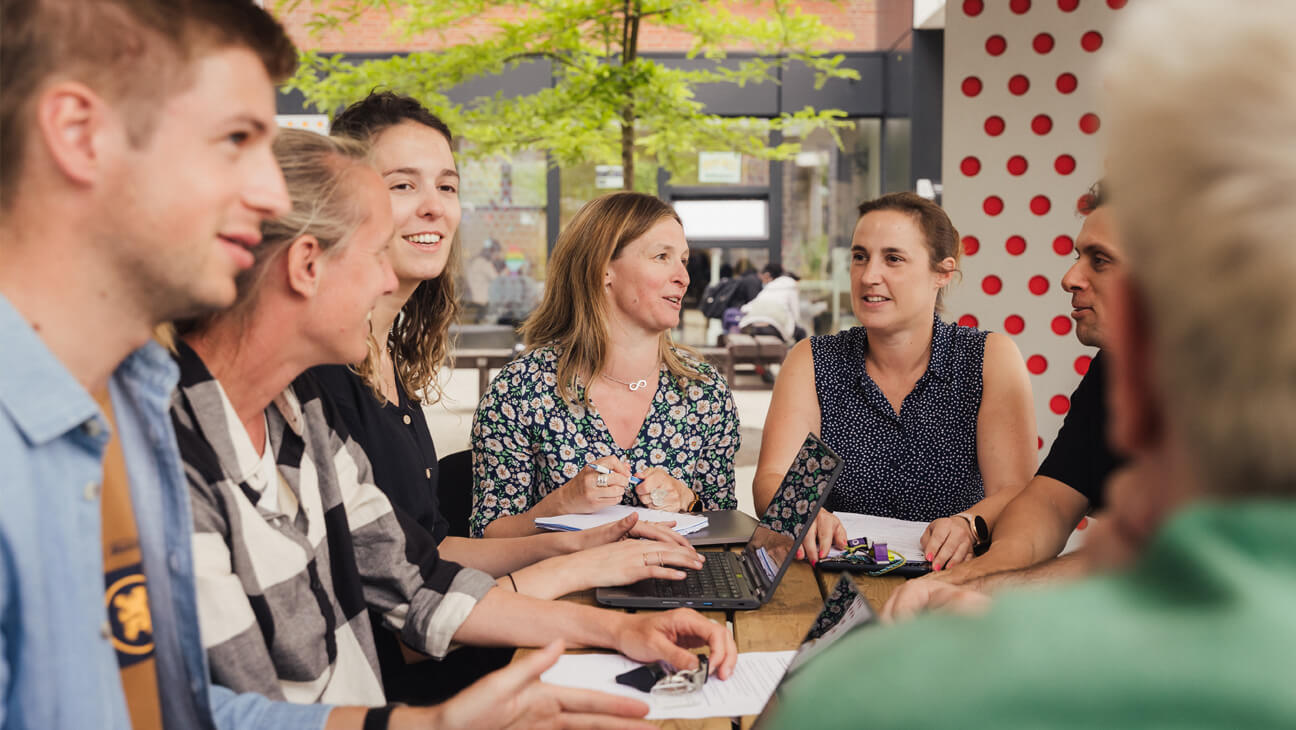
[(796, 503), (845, 609)]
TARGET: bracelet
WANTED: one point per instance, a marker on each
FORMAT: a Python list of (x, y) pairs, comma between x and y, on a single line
[(514, 582), (693, 506), (376, 718)]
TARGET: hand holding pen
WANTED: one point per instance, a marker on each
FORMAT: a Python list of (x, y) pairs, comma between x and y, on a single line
[(600, 484)]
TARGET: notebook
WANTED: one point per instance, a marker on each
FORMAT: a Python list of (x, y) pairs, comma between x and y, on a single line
[(747, 580), (845, 611), (685, 522)]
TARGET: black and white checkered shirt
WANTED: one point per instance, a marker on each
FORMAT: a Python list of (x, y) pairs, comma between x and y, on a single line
[(283, 583)]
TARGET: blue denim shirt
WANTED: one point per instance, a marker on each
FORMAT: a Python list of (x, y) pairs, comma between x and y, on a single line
[(57, 665)]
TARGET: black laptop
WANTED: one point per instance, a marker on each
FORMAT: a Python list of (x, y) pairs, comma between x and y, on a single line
[(747, 580)]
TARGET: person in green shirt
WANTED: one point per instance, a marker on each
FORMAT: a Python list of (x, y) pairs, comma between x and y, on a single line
[(1191, 624)]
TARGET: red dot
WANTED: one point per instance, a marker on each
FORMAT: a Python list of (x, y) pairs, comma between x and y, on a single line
[(1042, 124), (1018, 85), (972, 8), (968, 320), (1016, 245), (994, 126), (1038, 285), (971, 86), (1061, 325), (996, 45), (970, 166), (1043, 43), (993, 205), (1059, 404), (970, 245), (1036, 364), (1066, 83), (1040, 443), (1062, 245), (1040, 205), (1016, 165), (1082, 364), (1115, 4), (1089, 123), (1014, 324), (1064, 164), (1091, 41), (1067, 6), (991, 285), (1019, 6)]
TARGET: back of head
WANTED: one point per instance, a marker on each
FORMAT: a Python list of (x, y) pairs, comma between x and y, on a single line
[(316, 172), (1203, 165), (132, 53)]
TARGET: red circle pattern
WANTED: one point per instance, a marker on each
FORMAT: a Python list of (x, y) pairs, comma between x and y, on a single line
[(968, 320), (970, 166), (1063, 245), (971, 245), (1089, 123), (1067, 6), (1014, 324), (1018, 85), (1017, 165), (1061, 325), (971, 86), (1064, 164), (1020, 6), (1043, 43), (1115, 4), (1015, 245), (992, 285), (1037, 364), (1082, 364), (1091, 41), (994, 126), (1059, 404), (1040, 205), (1067, 83), (993, 205), (1042, 124), (1038, 285), (995, 45), (972, 8)]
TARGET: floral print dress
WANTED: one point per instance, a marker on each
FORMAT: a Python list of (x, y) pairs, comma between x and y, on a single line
[(528, 442)]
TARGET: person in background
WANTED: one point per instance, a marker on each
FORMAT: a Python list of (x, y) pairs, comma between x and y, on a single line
[(380, 400), (482, 270), (513, 294), (934, 421), (102, 106), (602, 385), (776, 310), (1035, 525), (292, 541), (1190, 625)]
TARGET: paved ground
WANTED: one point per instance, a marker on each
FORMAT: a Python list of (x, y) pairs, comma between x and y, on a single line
[(450, 422)]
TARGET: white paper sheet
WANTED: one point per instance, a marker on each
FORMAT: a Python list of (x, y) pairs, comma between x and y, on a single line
[(685, 523), (901, 536), (744, 693)]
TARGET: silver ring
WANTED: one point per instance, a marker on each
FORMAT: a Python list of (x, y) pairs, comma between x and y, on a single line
[(601, 480), (659, 496)]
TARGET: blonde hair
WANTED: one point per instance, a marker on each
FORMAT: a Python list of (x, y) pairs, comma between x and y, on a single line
[(316, 171), (573, 316), (1203, 164)]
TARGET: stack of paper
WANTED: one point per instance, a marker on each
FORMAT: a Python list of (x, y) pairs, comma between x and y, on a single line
[(684, 522), (900, 536)]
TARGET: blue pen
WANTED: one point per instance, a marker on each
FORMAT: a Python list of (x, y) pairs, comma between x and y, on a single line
[(604, 470)]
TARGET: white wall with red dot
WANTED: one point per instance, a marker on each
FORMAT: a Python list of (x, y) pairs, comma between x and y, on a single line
[(1020, 147)]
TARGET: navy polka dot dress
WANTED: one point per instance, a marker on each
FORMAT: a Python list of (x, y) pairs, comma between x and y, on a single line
[(920, 464)]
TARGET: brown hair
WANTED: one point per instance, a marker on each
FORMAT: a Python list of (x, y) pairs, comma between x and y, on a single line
[(574, 312), (419, 340), (131, 52), (316, 171), (939, 234)]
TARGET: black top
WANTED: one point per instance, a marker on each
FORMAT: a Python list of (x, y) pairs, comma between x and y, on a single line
[(395, 437), (1080, 457)]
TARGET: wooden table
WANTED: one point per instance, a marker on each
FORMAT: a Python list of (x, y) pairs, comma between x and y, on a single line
[(779, 625)]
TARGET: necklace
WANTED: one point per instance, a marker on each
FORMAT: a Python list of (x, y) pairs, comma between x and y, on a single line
[(632, 385)]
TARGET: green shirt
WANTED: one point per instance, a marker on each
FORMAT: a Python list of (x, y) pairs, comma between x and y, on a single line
[(1201, 632)]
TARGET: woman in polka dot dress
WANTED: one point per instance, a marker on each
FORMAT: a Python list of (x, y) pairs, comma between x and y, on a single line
[(934, 421), (602, 395)]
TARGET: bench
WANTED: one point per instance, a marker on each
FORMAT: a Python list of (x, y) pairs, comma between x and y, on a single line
[(754, 350)]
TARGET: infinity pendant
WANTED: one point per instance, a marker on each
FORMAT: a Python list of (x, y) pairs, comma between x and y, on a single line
[(636, 385)]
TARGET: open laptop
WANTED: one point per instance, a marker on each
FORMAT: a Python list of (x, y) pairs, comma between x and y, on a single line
[(724, 527), (845, 610), (747, 580)]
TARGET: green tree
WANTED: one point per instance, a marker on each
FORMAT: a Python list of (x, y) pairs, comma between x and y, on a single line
[(607, 102)]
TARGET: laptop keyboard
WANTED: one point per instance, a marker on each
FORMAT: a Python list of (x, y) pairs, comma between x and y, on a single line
[(712, 580)]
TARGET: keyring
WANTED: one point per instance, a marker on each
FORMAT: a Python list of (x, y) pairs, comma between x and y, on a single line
[(683, 681), (659, 496), (601, 480)]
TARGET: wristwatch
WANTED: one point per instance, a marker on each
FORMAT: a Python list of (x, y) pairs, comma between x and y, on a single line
[(980, 531), (696, 504)]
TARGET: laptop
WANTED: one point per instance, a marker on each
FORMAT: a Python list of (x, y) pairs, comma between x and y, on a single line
[(747, 580), (845, 611), (724, 527)]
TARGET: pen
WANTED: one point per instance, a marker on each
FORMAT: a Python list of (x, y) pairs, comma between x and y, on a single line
[(604, 470)]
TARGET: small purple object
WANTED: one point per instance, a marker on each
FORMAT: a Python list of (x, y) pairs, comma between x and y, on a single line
[(857, 541), (880, 553)]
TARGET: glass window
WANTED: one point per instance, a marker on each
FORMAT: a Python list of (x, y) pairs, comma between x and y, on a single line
[(580, 185)]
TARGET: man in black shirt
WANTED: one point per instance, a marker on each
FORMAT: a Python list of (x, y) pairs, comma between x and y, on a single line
[(1034, 527)]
